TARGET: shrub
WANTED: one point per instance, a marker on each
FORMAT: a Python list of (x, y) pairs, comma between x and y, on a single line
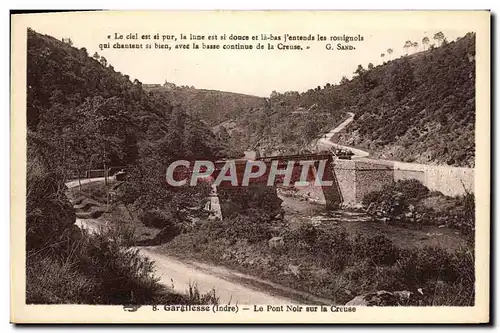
[(402, 191), (164, 220), (255, 227), (378, 249), (331, 246), (408, 202), (334, 246), (158, 219), (465, 214), (99, 269), (195, 297), (48, 211)]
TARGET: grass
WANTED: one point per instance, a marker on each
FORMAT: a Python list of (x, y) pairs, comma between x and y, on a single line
[(72, 266), (329, 263)]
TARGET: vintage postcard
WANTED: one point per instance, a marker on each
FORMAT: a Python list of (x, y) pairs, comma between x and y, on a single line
[(250, 167)]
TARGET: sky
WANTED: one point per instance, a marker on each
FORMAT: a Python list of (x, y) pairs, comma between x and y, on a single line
[(250, 72)]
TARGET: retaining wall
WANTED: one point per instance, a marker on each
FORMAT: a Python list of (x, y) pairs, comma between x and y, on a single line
[(358, 177), (448, 180)]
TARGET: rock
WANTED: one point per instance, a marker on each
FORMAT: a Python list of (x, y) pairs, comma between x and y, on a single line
[(276, 242), (294, 269), (382, 298), (404, 295)]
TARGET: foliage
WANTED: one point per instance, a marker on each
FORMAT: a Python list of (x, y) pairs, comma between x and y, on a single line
[(95, 269), (285, 122), (49, 214), (408, 201), (81, 114), (331, 264), (420, 109), (95, 116)]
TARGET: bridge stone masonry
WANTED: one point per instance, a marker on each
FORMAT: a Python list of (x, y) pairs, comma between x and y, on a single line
[(353, 179)]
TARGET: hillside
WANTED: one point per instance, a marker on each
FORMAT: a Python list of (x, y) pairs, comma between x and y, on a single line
[(418, 108), (283, 123), (82, 114), (213, 106)]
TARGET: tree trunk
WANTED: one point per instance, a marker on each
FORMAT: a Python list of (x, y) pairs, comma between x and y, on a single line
[(105, 174), (79, 181)]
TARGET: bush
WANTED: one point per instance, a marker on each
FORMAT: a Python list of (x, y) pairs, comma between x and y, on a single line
[(400, 193), (99, 269), (254, 227), (158, 219), (465, 214), (407, 202), (49, 214), (331, 246), (378, 249)]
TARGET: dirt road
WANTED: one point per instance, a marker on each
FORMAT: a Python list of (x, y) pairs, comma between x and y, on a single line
[(179, 275), (326, 140), (228, 284)]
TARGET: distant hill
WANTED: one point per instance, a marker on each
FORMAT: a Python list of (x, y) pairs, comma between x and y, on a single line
[(418, 108), (212, 106), (283, 123)]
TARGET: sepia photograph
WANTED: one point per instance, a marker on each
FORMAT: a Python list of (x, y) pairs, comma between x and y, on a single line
[(255, 165)]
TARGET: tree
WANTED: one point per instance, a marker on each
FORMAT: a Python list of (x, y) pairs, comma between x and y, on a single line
[(67, 41), (382, 55), (370, 66), (83, 54), (439, 37), (344, 80), (103, 61), (360, 70), (407, 45), (365, 77), (101, 122), (425, 41), (415, 46), (389, 52), (96, 56), (401, 79)]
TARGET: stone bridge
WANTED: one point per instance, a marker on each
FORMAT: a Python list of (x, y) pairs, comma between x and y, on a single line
[(350, 179), (353, 179)]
